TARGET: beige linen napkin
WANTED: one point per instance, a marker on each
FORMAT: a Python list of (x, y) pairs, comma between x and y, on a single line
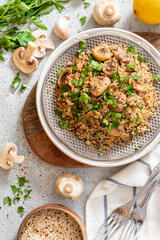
[(118, 190)]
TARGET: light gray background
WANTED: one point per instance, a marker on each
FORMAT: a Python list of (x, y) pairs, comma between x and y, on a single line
[(41, 175)]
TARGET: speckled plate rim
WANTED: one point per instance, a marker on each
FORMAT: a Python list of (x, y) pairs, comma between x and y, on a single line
[(56, 207), (57, 52)]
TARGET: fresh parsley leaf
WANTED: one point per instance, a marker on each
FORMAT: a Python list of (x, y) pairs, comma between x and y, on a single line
[(83, 20), (64, 125), (74, 95), (156, 77), (100, 154), (130, 65), (86, 4), (132, 49), (83, 119), (95, 72), (78, 112), (22, 181), (16, 81), (130, 89), (97, 66), (26, 196), (110, 127), (105, 96), (132, 134), (74, 68), (141, 107), (7, 215), (122, 80), (112, 101), (24, 37), (65, 88), (23, 86), (136, 77), (78, 84), (84, 98), (138, 147), (58, 113), (114, 115), (14, 188), (98, 145), (82, 46), (8, 200), (116, 124), (105, 122), (140, 59), (98, 133), (59, 71), (91, 58), (21, 209), (136, 120)]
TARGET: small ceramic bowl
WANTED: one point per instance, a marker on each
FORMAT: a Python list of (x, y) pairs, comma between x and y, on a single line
[(55, 207)]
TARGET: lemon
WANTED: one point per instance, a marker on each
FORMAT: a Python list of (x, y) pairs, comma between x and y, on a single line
[(148, 11)]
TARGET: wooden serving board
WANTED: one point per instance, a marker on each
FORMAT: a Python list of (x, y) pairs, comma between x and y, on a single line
[(37, 138)]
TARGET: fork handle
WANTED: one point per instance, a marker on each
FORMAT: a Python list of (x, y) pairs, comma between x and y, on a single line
[(148, 183)]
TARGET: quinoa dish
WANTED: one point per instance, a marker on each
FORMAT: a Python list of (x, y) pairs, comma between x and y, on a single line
[(106, 95)]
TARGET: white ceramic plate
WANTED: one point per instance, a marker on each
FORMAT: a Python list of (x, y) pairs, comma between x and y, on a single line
[(71, 145)]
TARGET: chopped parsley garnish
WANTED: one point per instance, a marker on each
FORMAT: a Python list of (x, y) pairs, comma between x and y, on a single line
[(132, 134), (116, 124), (112, 101), (84, 98), (83, 20), (74, 95), (136, 77), (14, 188), (58, 113), (98, 145), (132, 49), (21, 209), (86, 4), (96, 105), (23, 86), (98, 133), (105, 96), (91, 58), (79, 31), (115, 115), (27, 193), (22, 181), (7, 215), (59, 71), (140, 59), (136, 120), (82, 46), (135, 69), (138, 147), (110, 127), (74, 68), (100, 154), (141, 107), (105, 122), (76, 119), (130, 89), (115, 76), (16, 81), (96, 65), (65, 88), (53, 81), (130, 65), (78, 84), (8, 200), (78, 112), (83, 119), (95, 72), (64, 125), (156, 77)]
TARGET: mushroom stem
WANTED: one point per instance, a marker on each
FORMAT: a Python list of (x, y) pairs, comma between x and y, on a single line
[(69, 188), (29, 51), (45, 43)]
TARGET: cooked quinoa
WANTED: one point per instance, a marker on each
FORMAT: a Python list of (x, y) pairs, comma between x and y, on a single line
[(51, 224), (107, 95)]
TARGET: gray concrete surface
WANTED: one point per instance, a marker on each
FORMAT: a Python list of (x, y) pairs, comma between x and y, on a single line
[(41, 175)]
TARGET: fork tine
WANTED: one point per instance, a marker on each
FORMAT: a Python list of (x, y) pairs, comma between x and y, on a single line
[(132, 234), (124, 231), (127, 230), (137, 231)]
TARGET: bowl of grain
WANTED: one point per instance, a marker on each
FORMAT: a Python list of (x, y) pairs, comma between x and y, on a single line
[(52, 221)]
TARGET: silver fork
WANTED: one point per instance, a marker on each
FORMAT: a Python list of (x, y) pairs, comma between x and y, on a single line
[(137, 217), (120, 215)]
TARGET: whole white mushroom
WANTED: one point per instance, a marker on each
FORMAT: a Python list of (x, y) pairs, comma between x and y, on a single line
[(69, 185), (107, 12)]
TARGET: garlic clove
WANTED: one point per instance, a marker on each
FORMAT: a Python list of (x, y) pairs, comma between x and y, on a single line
[(61, 27), (107, 12)]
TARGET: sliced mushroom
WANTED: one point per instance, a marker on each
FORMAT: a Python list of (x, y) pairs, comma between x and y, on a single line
[(121, 54), (101, 52), (107, 12), (110, 66), (62, 76), (69, 185), (8, 156), (24, 59), (140, 84), (42, 43), (93, 118), (98, 84), (116, 132), (121, 100)]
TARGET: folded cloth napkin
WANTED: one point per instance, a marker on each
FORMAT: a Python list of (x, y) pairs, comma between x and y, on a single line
[(118, 190)]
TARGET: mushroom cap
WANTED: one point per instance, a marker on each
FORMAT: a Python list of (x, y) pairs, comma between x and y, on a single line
[(24, 59), (101, 52), (8, 156), (93, 118), (69, 185), (121, 100), (39, 34), (116, 132), (107, 12), (61, 78), (98, 84)]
